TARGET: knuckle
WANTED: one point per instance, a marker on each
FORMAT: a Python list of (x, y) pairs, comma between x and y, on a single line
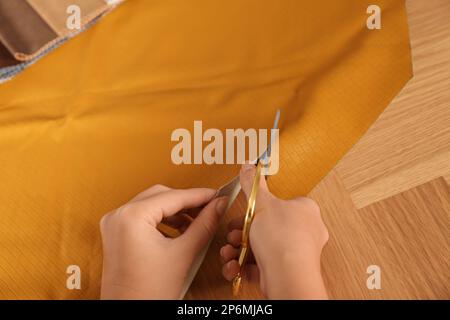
[(127, 212), (124, 216)]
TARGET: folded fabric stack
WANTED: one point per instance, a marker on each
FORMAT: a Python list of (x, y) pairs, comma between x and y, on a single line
[(30, 29)]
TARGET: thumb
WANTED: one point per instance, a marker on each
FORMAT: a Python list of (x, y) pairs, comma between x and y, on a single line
[(204, 226), (247, 175)]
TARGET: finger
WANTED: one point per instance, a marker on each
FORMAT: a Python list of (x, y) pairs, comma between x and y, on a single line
[(247, 175), (236, 223), (234, 238), (228, 252), (153, 190), (230, 270), (204, 226), (168, 203)]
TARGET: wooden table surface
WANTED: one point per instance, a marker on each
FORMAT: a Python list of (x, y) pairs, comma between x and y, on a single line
[(387, 202)]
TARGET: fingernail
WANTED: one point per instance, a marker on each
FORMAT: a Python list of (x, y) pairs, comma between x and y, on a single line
[(221, 205)]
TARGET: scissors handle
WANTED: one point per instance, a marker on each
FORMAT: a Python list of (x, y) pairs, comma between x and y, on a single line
[(249, 216)]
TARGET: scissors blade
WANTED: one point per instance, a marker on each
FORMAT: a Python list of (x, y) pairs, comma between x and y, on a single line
[(230, 189)]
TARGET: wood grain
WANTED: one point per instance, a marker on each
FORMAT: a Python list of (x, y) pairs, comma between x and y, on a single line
[(387, 202), (411, 231), (410, 143), (405, 235)]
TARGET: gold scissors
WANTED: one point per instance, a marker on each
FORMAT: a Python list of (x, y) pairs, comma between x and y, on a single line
[(231, 190), (250, 212)]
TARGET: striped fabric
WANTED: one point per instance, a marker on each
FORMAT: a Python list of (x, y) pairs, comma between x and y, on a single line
[(30, 29)]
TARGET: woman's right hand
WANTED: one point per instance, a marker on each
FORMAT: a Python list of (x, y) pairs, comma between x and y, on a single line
[(286, 239)]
